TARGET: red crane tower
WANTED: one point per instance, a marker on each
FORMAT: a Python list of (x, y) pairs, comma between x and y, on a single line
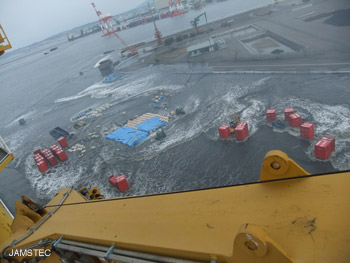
[(105, 22), (157, 33)]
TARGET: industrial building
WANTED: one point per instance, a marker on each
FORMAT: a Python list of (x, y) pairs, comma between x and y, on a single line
[(206, 46)]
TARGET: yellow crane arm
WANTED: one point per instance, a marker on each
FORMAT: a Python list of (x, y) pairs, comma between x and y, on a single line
[(4, 42), (5, 154), (288, 216)]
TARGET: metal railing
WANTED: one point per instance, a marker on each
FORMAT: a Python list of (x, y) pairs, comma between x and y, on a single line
[(113, 253)]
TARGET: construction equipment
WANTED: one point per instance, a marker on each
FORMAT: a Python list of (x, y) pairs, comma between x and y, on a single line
[(4, 42), (133, 51), (157, 33), (195, 21), (288, 216), (105, 22), (233, 123)]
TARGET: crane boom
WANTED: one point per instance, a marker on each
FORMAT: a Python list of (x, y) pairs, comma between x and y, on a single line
[(131, 50), (288, 216)]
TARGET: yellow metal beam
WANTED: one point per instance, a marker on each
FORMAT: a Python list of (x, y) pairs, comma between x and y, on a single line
[(4, 39), (5, 223), (278, 165), (7, 159)]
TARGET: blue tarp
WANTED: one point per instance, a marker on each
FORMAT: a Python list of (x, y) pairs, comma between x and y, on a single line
[(110, 78), (151, 124), (128, 136)]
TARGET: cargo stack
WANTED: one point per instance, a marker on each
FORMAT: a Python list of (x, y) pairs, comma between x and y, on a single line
[(224, 131), (40, 162), (241, 131), (38, 151), (323, 149), (307, 130), (49, 157), (119, 181), (122, 183), (271, 115), (287, 112), (331, 140), (294, 120), (113, 180), (58, 152), (62, 141)]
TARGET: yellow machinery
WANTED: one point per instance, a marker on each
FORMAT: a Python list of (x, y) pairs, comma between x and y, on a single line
[(288, 216), (5, 155), (234, 123), (5, 158), (4, 42)]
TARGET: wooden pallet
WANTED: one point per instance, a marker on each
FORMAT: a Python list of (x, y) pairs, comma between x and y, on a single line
[(143, 118)]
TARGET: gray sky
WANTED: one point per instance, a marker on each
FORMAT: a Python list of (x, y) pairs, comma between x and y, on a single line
[(29, 21)]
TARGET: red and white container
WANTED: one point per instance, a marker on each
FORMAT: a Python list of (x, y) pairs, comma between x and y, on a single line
[(122, 183), (307, 130), (49, 157), (61, 155), (287, 112), (331, 140), (294, 120), (241, 131), (271, 115), (323, 149), (224, 131), (62, 141), (42, 166), (113, 180)]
